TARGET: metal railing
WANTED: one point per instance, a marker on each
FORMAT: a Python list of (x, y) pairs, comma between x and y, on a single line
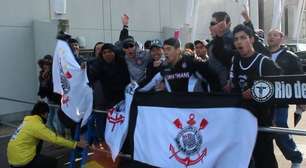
[(278, 130)]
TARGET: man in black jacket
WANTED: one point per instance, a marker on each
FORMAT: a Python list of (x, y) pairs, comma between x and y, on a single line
[(290, 65), (248, 66), (110, 71), (221, 49)]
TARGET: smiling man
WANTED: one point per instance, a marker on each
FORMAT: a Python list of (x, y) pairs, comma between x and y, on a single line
[(183, 71), (247, 67)]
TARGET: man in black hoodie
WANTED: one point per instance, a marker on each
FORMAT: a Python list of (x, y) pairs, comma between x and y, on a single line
[(110, 71), (290, 65)]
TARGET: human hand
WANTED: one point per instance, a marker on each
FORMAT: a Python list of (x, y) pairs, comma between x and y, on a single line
[(125, 20), (245, 14), (160, 87), (247, 95), (82, 143), (157, 63)]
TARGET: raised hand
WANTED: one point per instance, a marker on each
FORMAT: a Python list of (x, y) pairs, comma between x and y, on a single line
[(125, 19)]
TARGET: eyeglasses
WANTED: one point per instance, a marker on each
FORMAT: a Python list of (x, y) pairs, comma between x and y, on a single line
[(129, 45)]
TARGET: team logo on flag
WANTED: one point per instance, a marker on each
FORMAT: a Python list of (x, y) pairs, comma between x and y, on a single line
[(113, 115), (65, 84), (189, 142), (262, 91)]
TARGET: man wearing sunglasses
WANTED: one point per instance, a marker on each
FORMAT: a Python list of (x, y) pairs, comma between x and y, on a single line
[(136, 58), (220, 50)]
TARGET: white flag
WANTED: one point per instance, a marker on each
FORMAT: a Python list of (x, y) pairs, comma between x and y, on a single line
[(194, 138), (117, 122), (191, 130), (71, 82)]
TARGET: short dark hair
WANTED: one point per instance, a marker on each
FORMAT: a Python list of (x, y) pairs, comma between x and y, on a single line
[(173, 42), (40, 108), (190, 46), (98, 43), (243, 28), (221, 15), (73, 41), (147, 44), (198, 42)]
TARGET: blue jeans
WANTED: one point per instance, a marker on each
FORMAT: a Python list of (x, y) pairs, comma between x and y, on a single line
[(285, 141)]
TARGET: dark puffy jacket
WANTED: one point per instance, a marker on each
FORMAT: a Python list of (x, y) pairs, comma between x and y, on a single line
[(289, 63), (113, 78)]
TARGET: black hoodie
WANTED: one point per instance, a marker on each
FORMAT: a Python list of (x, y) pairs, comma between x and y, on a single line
[(113, 77)]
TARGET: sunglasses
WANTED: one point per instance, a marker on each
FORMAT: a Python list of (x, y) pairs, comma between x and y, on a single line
[(129, 45), (213, 23)]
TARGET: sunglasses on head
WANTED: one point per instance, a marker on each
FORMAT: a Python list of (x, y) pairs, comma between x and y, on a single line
[(129, 45)]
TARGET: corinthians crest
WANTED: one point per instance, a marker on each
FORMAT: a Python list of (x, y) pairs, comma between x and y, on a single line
[(65, 84), (189, 142), (113, 115)]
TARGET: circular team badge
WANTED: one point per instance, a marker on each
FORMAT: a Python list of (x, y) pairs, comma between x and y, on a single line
[(189, 141), (262, 91)]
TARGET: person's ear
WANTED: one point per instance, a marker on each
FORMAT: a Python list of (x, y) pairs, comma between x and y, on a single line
[(252, 39), (178, 51)]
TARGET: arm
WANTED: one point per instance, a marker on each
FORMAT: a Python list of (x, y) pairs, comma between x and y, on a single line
[(223, 49), (269, 68), (294, 65), (145, 87), (125, 31), (93, 71), (208, 73), (40, 131)]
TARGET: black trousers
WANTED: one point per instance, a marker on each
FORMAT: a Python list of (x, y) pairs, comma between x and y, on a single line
[(41, 161), (263, 153)]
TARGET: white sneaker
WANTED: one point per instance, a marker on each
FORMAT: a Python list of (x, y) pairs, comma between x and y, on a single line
[(296, 165)]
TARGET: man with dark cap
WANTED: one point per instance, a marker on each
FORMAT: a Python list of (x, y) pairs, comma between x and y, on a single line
[(136, 59), (158, 59)]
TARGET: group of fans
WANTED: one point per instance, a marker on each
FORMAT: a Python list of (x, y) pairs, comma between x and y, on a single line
[(227, 64)]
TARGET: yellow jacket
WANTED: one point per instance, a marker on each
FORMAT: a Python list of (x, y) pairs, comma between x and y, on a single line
[(21, 148)]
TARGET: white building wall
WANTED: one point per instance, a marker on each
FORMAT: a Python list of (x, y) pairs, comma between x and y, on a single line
[(96, 20)]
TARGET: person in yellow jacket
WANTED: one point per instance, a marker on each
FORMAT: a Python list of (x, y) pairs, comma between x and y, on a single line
[(24, 146)]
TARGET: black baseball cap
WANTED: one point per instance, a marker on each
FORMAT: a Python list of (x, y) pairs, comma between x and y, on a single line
[(156, 44), (128, 42)]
